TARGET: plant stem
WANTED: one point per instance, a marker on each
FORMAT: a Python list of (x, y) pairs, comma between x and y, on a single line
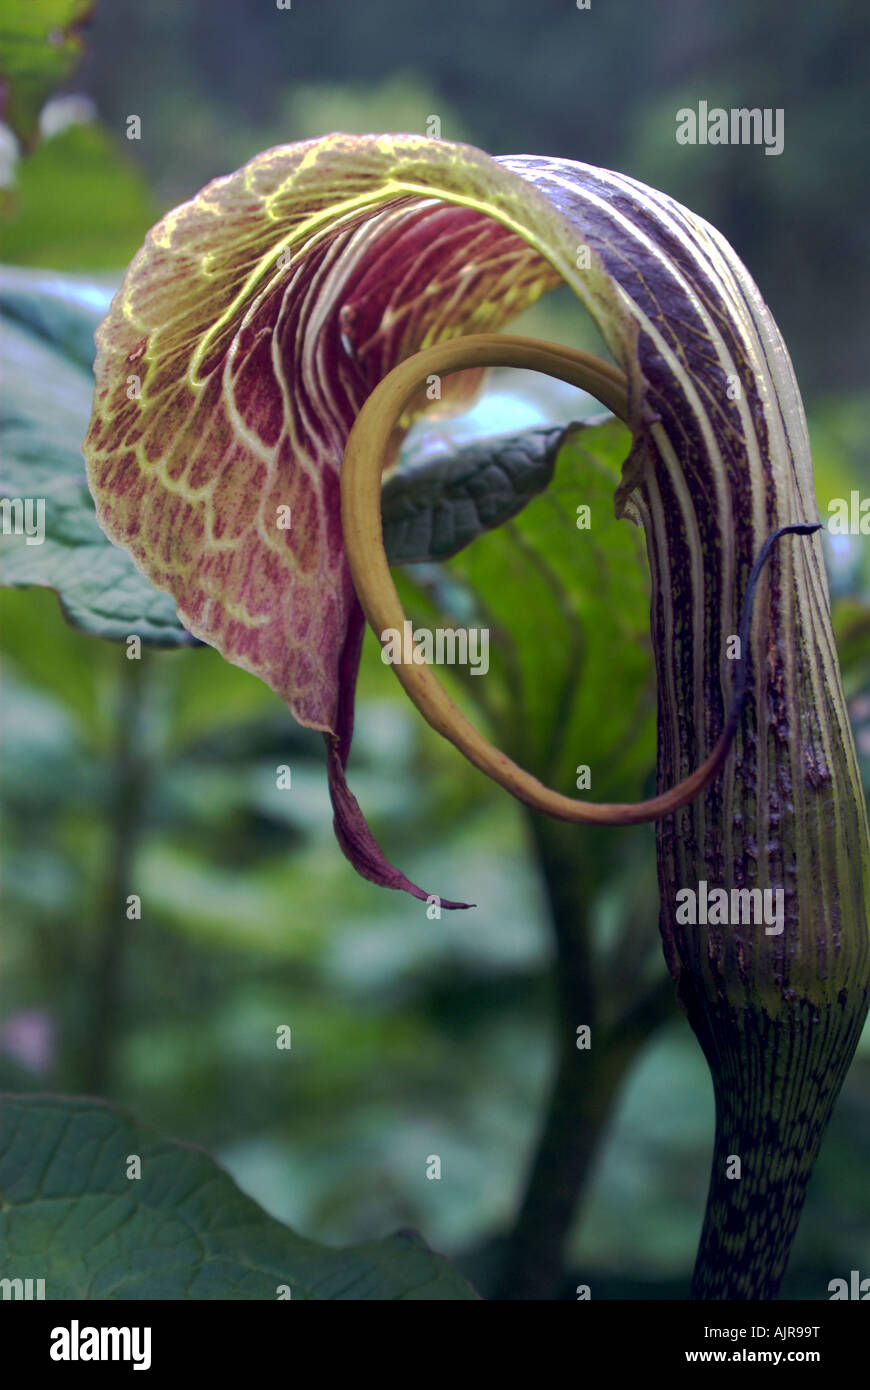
[(586, 1083), (776, 1081), (580, 1103), (124, 826)]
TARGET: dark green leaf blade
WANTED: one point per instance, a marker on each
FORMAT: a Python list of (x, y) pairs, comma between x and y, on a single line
[(437, 503), (70, 1215)]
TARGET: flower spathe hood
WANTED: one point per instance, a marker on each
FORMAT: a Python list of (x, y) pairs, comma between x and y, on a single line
[(259, 316)]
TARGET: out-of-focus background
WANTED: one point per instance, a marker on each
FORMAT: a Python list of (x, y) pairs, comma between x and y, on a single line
[(411, 1037)]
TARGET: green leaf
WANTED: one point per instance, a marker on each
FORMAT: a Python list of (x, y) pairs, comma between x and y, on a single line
[(435, 504), (46, 351), (39, 45), (581, 596), (70, 1215)]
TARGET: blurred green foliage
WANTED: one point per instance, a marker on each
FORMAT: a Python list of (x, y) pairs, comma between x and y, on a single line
[(215, 82), (40, 43), (79, 203)]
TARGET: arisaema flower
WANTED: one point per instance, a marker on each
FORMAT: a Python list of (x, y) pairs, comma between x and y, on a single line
[(238, 354)]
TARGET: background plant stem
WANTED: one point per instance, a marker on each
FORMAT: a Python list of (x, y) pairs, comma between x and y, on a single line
[(586, 1083), (128, 783)]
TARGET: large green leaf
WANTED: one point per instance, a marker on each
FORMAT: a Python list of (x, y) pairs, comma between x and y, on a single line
[(47, 327), (70, 1215)]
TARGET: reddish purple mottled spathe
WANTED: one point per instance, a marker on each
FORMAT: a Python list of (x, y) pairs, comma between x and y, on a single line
[(246, 335)]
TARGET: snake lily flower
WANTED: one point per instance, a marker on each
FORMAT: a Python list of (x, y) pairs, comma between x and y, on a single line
[(272, 327)]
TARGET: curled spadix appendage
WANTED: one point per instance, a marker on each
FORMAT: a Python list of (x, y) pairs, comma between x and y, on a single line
[(363, 537)]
